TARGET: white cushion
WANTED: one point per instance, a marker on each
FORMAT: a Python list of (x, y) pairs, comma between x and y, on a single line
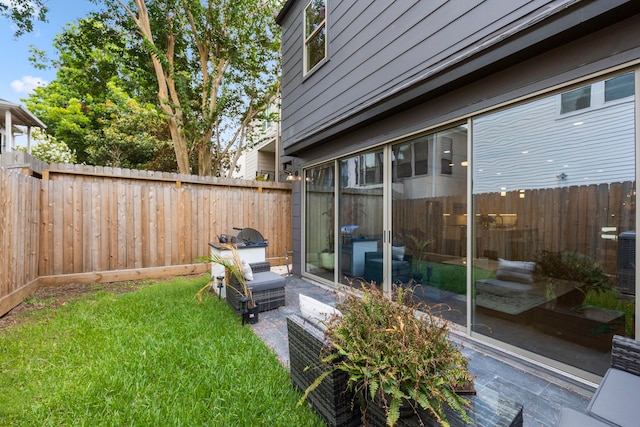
[(315, 311), (247, 272), (515, 271)]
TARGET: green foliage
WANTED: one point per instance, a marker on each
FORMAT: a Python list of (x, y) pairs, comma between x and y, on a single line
[(64, 113), (147, 358), (572, 266), (391, 356), (96, 104), (217, 70), (130, 133), (609, 299), (23, 13), (232, 265)]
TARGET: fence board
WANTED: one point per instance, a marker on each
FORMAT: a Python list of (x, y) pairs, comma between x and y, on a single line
[(20, 209), (115, 219)]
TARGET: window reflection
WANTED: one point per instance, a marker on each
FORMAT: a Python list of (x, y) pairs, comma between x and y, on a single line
[(360, 216), (429, 220), (554, 207), (320, 214)]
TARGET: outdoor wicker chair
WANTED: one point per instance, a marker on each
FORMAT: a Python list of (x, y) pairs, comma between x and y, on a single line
[(615, 402), (266, 287)]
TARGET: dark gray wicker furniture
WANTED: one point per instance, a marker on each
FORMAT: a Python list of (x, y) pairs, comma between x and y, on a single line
[(267, 288), (615, 402), (331, 400), (400, 269)]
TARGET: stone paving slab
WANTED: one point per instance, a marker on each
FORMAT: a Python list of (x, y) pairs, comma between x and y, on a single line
[(541, 395)]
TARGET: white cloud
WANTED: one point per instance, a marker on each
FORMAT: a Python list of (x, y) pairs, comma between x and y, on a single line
[(27, 84)]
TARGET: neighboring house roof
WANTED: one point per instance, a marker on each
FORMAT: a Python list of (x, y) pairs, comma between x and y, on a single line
[(20, 116)]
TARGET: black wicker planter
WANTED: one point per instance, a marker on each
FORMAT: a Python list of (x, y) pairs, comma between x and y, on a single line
[(332, 401), (335, 404)]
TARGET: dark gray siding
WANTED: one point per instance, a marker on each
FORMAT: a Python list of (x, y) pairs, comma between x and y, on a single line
[(380, 52), (612, 46)]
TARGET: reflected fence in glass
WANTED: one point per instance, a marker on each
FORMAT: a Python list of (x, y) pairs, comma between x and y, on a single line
[(554, 207)]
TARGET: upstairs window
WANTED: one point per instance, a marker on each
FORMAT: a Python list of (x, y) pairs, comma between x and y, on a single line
[(599, 94), (446, 160), (315, 34), (618, 87), (370, 168), (403, 161), (576, 99), (421, 149)]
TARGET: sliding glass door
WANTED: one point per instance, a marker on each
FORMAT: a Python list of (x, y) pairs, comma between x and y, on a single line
[(320, 221), (360, 218), (429, 221), (554, 186)]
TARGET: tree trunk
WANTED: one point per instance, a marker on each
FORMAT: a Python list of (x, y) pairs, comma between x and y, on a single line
[(204, 159)]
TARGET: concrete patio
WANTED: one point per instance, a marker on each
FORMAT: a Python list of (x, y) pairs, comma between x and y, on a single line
[(541, 391)]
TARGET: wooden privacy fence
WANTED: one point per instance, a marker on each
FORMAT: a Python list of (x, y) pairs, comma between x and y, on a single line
[(19, 236), (519, 225), (84, 219)]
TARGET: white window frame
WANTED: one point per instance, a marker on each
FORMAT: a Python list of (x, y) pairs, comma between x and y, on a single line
[(597, 99), (306, 39)]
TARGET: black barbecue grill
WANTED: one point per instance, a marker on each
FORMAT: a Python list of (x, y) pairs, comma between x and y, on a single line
[(250, 237)]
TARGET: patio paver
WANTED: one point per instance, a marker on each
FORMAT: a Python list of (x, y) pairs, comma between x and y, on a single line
[(541, 392)]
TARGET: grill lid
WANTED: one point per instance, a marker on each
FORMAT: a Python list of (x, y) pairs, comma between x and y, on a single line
[(250, 237)]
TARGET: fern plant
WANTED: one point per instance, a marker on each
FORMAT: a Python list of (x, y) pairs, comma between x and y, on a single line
[(394, 358)]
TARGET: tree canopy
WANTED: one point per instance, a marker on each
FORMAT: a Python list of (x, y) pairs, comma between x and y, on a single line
[(99, 84), (217, 69), (23, 13), (210, 67)]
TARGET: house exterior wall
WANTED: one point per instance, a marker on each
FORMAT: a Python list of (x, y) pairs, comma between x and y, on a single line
[(383, 56), (397, 69), (581, 38)]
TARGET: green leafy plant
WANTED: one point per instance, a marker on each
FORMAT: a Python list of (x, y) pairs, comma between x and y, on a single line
[(393, 357), (232, 265), (419, 248), (572, 266)]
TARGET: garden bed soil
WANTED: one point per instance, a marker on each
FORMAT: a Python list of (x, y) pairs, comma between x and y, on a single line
[(56, 296)]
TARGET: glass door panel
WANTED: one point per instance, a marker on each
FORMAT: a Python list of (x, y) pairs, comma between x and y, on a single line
[(360, 218), (429, 207), (554, 187), (319, 221)]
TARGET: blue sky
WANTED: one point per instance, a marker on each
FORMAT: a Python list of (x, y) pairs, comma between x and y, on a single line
[(17, 76)]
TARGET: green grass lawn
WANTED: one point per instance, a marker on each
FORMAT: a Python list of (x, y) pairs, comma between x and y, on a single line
[(450, 277), (153, 357)]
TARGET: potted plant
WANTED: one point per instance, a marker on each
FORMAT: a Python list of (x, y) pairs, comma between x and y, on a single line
[(395, 359), (570, 314), (419, 249), (556, 267), (233, 265), (326, 256)]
